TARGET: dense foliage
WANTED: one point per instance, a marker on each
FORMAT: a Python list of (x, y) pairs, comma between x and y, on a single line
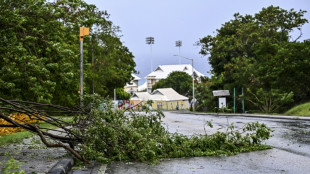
[(180, 81), (40, 51), (111, 135), (204, 95), (257, 53), (122, 95)]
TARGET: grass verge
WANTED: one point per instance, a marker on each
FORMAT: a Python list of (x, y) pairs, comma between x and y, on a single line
[(300, 110), (14, 138)]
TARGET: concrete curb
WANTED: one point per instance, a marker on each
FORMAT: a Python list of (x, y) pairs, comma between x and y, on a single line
[(251, 115), (64, 166), (268, 116), (99, 169)]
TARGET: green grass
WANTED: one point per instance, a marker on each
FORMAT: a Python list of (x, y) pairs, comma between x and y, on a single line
[(300, 110), (14, 138)]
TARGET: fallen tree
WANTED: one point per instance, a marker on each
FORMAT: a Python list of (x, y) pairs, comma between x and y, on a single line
[(104, 134), (63, 136)]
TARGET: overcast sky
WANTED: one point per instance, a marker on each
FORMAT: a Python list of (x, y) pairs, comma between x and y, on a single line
[(186, 20)]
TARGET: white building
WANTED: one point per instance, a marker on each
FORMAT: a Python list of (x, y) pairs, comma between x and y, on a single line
[(132, 86), (163, 98), (142, 87), (162, 72)]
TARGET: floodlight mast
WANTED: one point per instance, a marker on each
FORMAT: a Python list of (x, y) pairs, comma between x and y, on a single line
[(178, 43), (150, 41)]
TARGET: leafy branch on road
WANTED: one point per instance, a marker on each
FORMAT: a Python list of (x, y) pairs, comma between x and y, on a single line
[(106, 134), (12, 167), (113, 135), (63, 136)]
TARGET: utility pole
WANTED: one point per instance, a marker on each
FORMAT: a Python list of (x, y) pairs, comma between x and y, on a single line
[(234, 100), (242, 101), (93, 64), (84, 31)]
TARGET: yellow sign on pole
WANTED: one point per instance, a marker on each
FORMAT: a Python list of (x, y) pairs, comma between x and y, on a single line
[(84, 31)]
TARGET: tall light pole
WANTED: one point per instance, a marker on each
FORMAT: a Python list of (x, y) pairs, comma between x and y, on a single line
[(178, 43), (93, 63), (194, 100), (84, 31), (150, 41)]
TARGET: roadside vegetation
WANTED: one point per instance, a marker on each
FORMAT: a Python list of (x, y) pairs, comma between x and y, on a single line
[(14, 138), (12, 167), (41, 45), (258, 55), (300, 110)]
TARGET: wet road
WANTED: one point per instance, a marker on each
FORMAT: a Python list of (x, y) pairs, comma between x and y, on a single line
[(291, 152)]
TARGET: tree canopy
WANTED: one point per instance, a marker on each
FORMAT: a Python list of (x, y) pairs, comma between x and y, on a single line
[(40, 51), (180, 81), (257, 52)]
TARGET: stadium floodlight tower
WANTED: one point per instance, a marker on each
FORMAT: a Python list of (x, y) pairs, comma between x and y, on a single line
[(178, 43), (150, 41)]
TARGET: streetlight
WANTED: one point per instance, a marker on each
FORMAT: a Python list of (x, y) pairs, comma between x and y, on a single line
[(178, 43), (150, 41), (193, 79)]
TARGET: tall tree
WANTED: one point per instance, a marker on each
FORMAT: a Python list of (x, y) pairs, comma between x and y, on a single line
[(40, 51), (251, 36), (113, 65), (257, 52)]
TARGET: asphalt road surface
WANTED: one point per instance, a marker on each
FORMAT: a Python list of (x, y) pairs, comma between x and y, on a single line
[(291, 152)]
